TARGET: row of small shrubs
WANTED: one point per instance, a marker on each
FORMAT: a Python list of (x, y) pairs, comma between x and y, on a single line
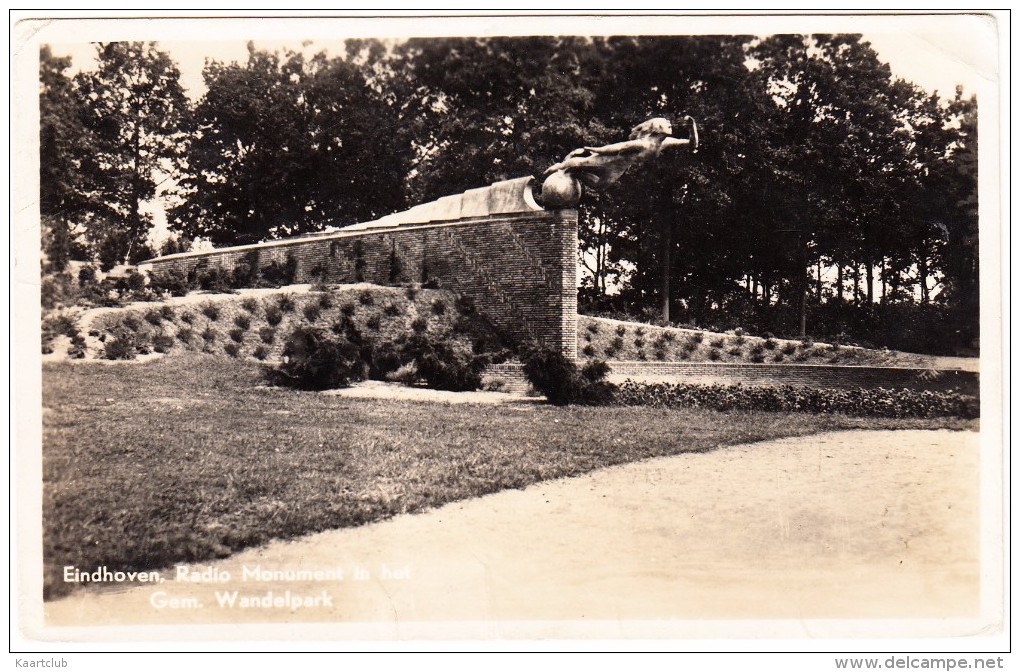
[(877, 402), (246, 273)]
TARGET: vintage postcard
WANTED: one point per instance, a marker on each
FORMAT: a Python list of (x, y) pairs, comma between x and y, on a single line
[(504, 328)]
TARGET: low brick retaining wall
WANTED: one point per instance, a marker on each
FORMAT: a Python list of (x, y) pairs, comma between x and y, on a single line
[(808, 375)]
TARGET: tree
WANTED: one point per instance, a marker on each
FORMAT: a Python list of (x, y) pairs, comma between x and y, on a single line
[(286, 145), (479, 110), (136, 111), (65, 161)]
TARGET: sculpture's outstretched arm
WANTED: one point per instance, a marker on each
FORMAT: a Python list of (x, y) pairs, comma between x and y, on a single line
[(625, 147)]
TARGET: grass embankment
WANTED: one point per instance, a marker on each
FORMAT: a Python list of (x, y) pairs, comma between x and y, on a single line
[(254, 324), (602, 338), (188, 458)]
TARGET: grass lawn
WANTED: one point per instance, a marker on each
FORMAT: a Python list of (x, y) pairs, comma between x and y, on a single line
[(187, 458)]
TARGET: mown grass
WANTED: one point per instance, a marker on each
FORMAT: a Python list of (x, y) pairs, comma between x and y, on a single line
[(189, 457)]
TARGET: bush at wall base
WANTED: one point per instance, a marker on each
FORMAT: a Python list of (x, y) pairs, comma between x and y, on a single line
[(560, 379)]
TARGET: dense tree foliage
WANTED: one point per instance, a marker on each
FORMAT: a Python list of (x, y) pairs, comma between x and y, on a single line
[(819, 174), (288, 145), (137, 117)]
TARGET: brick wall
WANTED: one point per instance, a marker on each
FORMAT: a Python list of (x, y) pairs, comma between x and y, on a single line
[(511, 375), (519, 268)]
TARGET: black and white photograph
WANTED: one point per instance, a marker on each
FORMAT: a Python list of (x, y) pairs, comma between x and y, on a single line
[(504, 328)]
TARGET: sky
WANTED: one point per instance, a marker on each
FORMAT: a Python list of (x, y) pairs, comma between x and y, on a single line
[(935, 57)]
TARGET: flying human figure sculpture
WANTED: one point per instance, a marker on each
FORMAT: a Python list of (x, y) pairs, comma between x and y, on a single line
[(598, 167)]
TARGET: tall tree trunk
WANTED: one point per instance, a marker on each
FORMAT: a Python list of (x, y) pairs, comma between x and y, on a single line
[(839, 282), (922, 277), (885, 284), (818, 284), (667, 249), (869, 277)]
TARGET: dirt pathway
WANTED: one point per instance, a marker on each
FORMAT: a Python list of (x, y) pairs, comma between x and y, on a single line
[(842, 525)]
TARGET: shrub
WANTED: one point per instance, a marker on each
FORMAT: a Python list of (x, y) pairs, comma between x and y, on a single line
[(419, 324), (616, 344), (162, 343), (587, 338), (185, 335), (736, 351), (439, 307), (366, 298), (236, 335), (285, 303), (187, 317), (559, 379), (119, 348), (153, 317), (131, 322), (232, 349), (172, 282), (621, 330), (697, 337), (260, 352), (640, 331), (373, 323), (717, 342), (123, 343), (465, 305), (77, 348), (878, 402), (714, 355), (273, 315), (216, 280), (789, 349), (267, 334), (348, 310), (411, 292), (167, 312), (326, 301), (668, 336), (639, 343), (589, 351), (86, 275), (444, 364), (317, 359), (251, 305), (778, 357), (660, 354), (770, 344), (211, 311), (60, 324), (242, 321), (593, 327), (757, 357), (311, 311), (209, 335)]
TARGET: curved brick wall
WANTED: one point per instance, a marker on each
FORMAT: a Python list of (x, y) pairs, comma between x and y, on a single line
[(494, 245)]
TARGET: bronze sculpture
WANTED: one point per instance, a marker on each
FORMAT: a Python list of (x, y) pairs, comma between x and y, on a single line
[(598, 167)]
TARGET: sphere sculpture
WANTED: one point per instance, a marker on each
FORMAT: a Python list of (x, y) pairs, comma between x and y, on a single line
[(560, 190)]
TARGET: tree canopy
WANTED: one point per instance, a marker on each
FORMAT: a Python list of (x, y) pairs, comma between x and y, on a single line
[(814, 160)]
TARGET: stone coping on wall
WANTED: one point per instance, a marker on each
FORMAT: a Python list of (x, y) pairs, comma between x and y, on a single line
[(501, 200)]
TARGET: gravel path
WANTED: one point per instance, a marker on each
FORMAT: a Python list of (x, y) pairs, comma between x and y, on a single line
[(844, 525)]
